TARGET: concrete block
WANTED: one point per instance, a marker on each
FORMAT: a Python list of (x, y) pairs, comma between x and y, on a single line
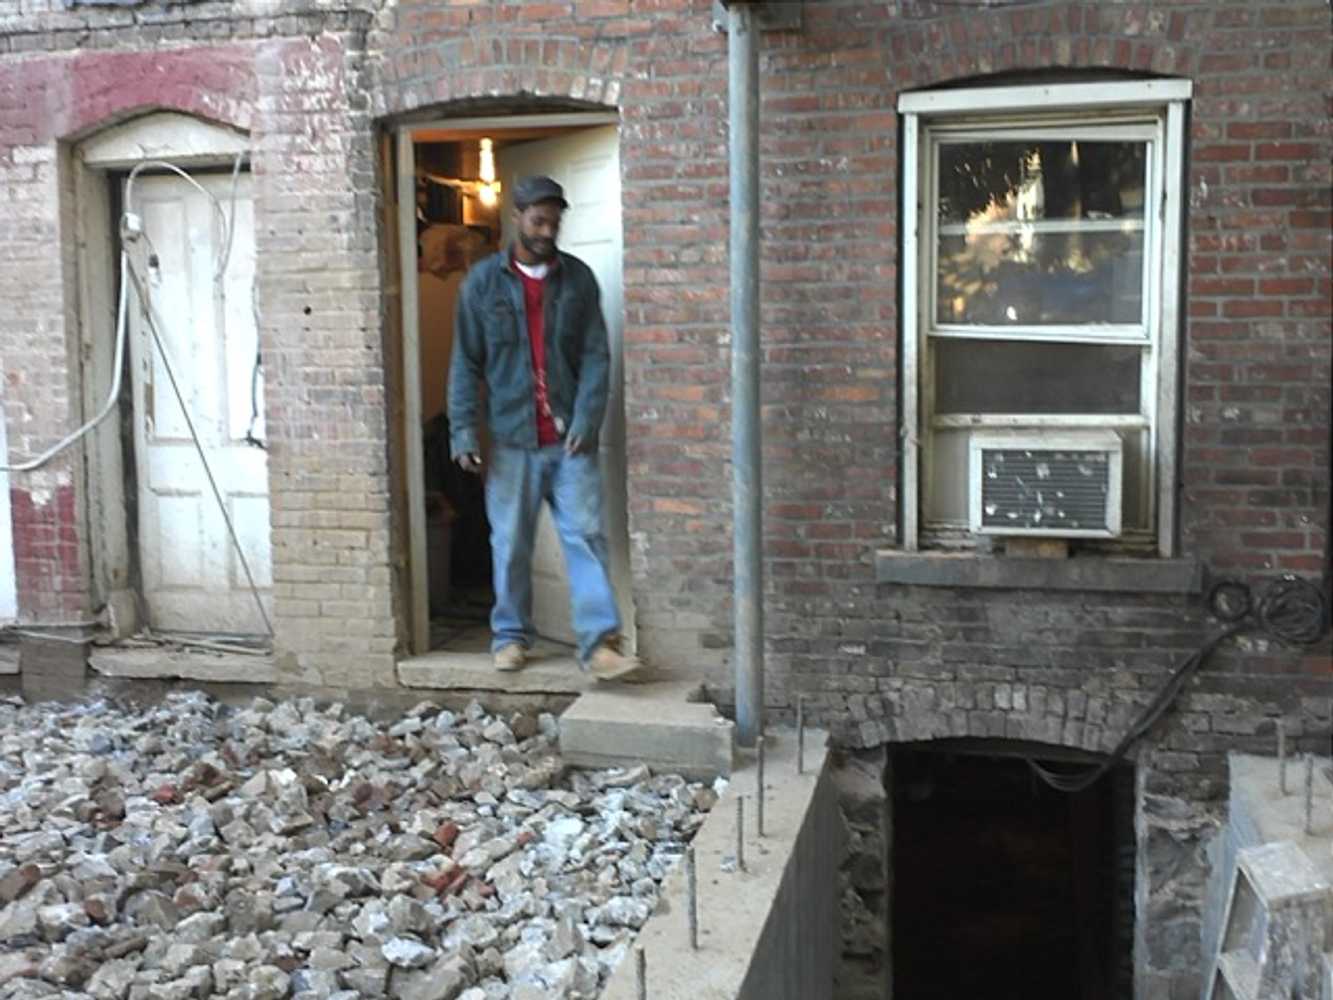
[(654, 724), (53, 669), (189, 665)]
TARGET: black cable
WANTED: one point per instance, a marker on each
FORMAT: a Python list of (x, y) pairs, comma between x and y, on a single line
[(1291, 610), (250, 438)]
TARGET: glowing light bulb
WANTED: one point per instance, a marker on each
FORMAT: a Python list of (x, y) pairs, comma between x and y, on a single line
[(487, 161), (487, 195)]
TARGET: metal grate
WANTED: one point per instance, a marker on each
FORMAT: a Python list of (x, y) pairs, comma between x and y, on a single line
[(1034, 490)]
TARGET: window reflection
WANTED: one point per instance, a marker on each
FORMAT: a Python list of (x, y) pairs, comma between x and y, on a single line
[(1040, 232)]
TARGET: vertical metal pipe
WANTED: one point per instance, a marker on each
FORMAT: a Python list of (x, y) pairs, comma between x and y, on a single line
[(800, 734), (1281, 757), (759, 786), (746, 466), (740, 833), (1309, 794), (692, 892), (641, 971)]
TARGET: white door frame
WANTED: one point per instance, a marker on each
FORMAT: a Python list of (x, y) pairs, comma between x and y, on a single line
[(407, 255), (8, 581), (186, 142)]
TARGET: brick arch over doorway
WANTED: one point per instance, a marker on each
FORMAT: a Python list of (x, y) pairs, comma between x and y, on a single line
[(460, 73)]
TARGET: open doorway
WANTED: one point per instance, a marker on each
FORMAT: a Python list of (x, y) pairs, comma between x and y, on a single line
[(1004, 888), (461, 174)]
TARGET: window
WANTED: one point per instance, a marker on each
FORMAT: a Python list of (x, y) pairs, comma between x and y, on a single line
[(1040, 303)]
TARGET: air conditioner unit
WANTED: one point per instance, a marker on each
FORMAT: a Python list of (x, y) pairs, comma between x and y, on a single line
[(1058, 484)]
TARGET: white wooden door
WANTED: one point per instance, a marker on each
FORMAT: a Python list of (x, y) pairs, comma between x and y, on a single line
[(8, 585), (587, 164), (192, 577)]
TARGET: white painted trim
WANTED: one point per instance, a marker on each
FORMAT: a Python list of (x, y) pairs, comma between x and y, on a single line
[(1019, 227), (909, 499), (8, 581), (1107, 334), (416, 471), (165, 135), (1083, 440), (1168, 340), (965, 421), (1039, 97), (500, 123), (110, 557)]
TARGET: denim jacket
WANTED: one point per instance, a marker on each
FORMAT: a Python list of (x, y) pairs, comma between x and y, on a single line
[(491, 346)]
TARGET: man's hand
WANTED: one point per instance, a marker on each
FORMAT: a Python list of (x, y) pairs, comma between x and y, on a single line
[(573, 444), (469, 462)]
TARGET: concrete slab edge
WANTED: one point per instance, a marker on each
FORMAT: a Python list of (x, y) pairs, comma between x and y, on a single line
[(735, 907)]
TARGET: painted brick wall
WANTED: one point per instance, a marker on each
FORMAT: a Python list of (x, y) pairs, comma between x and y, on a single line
[(320, 303)]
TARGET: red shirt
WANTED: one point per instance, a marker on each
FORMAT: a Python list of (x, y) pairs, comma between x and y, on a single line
[(532, 302)]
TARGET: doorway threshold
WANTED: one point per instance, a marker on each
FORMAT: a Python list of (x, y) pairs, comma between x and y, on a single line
[(551, 669)]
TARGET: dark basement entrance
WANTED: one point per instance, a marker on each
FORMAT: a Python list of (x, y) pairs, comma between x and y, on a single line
[(1004, 888)]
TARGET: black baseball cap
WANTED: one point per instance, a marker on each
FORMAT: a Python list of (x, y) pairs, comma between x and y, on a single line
[(533, 190)]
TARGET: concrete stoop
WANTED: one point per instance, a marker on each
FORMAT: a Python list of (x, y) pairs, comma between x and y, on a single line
[(769, 930), (666, 726), (1277, 924), (1277, 920)]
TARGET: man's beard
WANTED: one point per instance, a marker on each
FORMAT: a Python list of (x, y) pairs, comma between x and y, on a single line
[(540, 247)]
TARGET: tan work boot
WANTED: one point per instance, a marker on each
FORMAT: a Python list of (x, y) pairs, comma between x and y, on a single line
[(509, 658), (607, 663)]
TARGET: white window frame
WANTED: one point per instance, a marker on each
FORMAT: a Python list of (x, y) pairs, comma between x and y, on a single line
[(1152, 109)]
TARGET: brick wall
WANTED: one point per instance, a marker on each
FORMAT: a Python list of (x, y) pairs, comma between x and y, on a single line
[(319, 289)]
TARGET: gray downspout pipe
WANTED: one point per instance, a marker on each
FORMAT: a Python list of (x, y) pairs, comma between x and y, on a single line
[(746, 461)]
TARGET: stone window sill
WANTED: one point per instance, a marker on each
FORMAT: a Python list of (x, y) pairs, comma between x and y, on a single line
[(1085, 573)]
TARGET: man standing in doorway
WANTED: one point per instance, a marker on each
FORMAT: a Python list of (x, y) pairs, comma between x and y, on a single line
[(529, 326)]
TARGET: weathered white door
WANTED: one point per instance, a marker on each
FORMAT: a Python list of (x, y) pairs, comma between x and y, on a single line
[(587, 164), (8, 587), (192, 577)]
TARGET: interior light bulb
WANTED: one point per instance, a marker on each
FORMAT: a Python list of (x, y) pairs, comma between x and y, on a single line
[(487, 162), (487, 195)]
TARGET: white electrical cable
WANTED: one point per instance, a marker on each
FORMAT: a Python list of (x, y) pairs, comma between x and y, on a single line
[(132, 229), (118, 365)]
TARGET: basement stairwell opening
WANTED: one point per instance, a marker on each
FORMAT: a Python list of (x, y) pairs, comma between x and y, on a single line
[(1003, 887)]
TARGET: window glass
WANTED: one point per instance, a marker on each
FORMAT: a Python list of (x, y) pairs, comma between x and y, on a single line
[(1031, 232), (1001, 376)]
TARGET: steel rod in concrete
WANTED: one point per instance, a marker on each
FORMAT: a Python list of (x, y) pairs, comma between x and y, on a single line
[(746, 456), (1281, 757), (800, 734), (692, 886), (740, 833), (759, 787), (1309, 794), (641, 971)]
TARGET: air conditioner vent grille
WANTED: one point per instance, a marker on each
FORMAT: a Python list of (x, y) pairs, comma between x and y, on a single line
[(1063, 484), (1045, 489)]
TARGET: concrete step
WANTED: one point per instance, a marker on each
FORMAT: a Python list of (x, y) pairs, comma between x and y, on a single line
[(1278, 919), (664, 725)]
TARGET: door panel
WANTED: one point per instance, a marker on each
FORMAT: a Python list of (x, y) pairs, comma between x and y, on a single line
[(587, 164), (192, 577)]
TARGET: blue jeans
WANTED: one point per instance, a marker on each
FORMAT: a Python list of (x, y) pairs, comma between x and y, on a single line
[(518, 481)]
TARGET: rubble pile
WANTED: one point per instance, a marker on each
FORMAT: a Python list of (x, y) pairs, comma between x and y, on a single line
[(287, 850)]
